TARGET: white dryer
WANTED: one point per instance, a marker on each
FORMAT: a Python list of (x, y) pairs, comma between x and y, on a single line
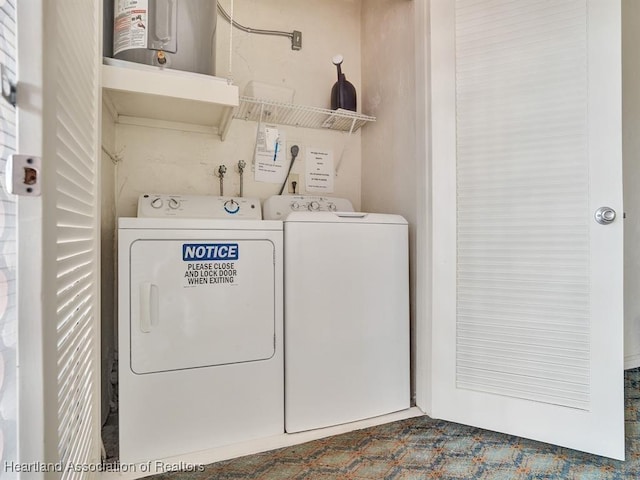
[(200, 326), (346, 311)]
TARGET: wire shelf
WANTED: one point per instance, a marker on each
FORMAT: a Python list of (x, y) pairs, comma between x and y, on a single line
[(268, 111)]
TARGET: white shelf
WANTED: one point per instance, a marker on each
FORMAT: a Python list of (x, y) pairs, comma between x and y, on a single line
[(268, 111), (144, 95), (148, 93)]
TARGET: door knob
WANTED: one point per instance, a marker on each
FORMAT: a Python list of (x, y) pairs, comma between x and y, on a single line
[(605, 215)]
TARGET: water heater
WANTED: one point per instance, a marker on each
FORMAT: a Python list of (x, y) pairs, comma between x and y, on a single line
[(177, 34)]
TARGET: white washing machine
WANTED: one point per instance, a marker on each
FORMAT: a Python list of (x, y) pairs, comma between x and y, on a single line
[(200, 326), (346, 312)]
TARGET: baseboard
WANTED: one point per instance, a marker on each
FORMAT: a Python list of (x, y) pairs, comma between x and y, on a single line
[(631, 361)]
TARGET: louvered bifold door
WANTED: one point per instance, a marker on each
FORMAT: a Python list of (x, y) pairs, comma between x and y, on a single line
[(59, 243), (8, 314), (528, 285)]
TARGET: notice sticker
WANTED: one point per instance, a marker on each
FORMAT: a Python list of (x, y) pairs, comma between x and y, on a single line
[(209, 264)]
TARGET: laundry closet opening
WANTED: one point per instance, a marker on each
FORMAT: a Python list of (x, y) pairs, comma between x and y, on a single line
[(186, 155)]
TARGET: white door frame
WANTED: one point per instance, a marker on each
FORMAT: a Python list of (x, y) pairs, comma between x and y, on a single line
[(423, 262), (37, 439)]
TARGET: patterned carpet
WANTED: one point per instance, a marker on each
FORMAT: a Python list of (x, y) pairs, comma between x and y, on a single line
[(422, 448)]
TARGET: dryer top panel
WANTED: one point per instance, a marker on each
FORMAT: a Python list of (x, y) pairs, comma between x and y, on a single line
[(198, 206), (197, 224)]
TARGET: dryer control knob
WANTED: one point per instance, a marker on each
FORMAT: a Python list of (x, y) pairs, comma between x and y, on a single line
[(314, 206), (231, 206), (156, 202), (332, 207), (174, 204), (295, 206)]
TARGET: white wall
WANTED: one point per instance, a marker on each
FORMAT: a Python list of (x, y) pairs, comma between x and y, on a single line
[(390, 162), (631, 169), (328, 27), (180, 162), (389, 145), (170, 161)]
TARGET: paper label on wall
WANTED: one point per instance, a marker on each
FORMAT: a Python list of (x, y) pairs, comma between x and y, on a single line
[(130, 25), (271, 155), (319, 170)]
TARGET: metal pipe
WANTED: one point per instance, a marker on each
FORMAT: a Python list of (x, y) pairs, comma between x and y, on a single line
[(241, 165), (221, 171), (294, 153), (296, 37)]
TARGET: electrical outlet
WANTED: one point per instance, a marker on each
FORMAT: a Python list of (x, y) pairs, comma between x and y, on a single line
[(294, 177)]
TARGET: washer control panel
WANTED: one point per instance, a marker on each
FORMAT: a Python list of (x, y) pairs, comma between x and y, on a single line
[(198, 206), (278, 207)]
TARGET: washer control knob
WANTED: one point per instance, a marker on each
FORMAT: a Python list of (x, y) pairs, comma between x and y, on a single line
[(231, 206), (314, 206), (174, 204), (332, 207), (156, 202), (295, 206)]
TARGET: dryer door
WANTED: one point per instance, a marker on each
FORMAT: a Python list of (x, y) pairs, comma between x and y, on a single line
[(196, 303)]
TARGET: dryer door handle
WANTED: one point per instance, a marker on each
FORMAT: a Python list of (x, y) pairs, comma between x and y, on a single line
[(148, 306)]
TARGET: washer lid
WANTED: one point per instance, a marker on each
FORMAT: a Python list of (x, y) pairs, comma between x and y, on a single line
[(345, 217)]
